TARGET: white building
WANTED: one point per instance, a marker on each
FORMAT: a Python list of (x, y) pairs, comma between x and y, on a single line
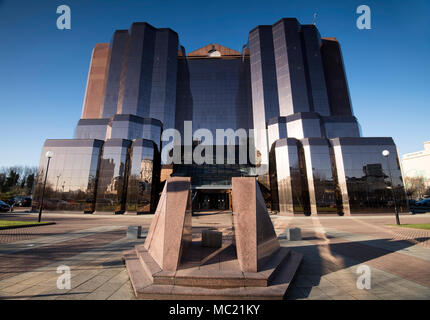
[(417, 164)]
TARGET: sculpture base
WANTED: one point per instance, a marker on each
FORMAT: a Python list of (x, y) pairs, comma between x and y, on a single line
[(107, 213), (210, 273)]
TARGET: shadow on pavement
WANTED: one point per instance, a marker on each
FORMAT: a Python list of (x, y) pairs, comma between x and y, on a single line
[(318, 260)]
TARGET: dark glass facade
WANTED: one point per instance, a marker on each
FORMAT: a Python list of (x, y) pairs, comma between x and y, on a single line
[(288, 85), (265, 99), (92, 129), (288, 178), (134, 127), (72, 175), (143, 177), (215, 94), (112, 177), (364, 175), (116, 73), (290, 67), (311, 42), (319, 171), (337, 85), (212, 175)]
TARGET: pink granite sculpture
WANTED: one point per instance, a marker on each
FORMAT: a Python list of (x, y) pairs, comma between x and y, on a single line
[(170, 231), (259, 270), (256, 239)]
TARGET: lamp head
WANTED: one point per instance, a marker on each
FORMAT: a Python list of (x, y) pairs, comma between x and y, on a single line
[(385, 153), (49, 154)]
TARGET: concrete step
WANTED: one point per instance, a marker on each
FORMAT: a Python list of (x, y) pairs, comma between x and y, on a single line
[(136, 273), (144, 288), (148, 263), (276, 263)]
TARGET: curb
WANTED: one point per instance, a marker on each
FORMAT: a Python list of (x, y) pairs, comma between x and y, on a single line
[(28, 225)]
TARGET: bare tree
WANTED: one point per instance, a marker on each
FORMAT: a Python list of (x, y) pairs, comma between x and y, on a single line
[(415, 187)]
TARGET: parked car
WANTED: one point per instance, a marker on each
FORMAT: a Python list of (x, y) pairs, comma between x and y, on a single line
[(4, 207), (420, 206), (10, 201), (19, 201), (23, 202), (423, 203)]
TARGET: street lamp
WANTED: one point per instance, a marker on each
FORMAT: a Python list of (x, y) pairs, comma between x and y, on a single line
[(49, 155), (386, 153)]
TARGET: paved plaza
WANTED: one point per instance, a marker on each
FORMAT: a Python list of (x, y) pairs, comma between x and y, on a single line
[(333, 248)]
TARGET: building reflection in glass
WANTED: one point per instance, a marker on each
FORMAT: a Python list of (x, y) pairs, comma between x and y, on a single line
[(288, 178), (72, 174), (214, 94), (214, 175), (363, 175), (112, 181), (322, 188), (144, 171)]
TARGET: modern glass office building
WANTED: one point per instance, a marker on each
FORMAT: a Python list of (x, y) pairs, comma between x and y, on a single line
[(150, 107)]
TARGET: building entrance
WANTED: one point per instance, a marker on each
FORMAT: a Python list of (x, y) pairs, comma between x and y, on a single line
[(212, 200)]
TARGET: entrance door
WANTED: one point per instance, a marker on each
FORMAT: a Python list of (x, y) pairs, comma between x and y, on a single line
[(211, 200)]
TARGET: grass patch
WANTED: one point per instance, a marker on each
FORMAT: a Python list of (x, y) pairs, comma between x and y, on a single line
[(424, 226), (16, 224)]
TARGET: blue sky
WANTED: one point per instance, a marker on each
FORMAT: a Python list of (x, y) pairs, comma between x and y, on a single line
[(43, 70)]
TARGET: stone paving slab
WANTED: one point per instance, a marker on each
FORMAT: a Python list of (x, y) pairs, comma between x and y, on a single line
[(85, 279), (18, 246), (416, 251), (341, 283), (333, 248), (28, 260), (123, 293)]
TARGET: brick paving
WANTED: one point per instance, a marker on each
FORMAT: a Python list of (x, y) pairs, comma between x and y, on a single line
[(95, 274), (399, 258), (380, 227), (64, 223), (333, 248), (27, 260)]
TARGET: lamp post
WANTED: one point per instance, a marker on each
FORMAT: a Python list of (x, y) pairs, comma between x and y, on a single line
[(386, 153), (49, 155)]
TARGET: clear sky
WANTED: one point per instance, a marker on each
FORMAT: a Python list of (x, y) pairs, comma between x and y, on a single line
[(43, 70)]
